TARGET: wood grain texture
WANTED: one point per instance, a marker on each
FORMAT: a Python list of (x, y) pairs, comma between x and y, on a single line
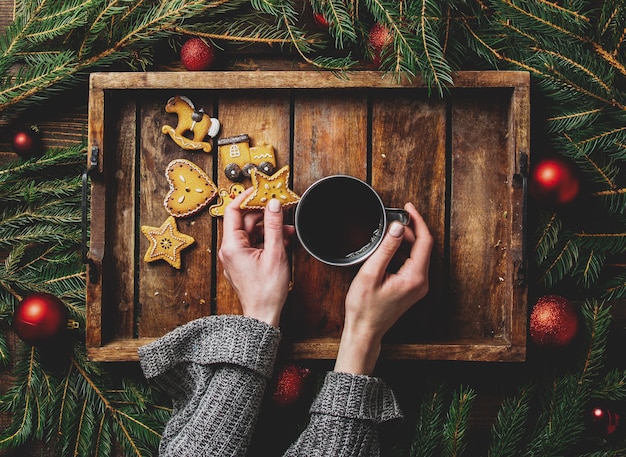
[(479, 225), (330, 137), (456, 159), (265, 117), (168, 297), (409, 165)]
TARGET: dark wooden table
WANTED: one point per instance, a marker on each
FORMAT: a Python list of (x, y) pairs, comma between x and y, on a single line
[(491, 380)]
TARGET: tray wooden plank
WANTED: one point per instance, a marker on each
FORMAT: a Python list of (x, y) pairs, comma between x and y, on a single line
[(168, 297), (330, 137), (459, 159), (270, 111), (120, 300), (481, 170), (405, 170)]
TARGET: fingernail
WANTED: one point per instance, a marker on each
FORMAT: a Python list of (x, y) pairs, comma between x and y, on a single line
[(274, 205), (396, 229)]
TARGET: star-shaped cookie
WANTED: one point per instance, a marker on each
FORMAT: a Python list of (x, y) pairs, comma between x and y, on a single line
[(225, 197), (166, 242), (268, 187), (191, 189)]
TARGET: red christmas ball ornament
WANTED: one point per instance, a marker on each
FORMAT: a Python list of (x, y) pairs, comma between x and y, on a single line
[(553, 181), (26, 142), (321, 21), (197, 54), (603, 420), (553, 322), (39, 318), (379, 37), (290, 384)]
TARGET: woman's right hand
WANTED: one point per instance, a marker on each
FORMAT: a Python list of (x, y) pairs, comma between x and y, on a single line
[(376, 298)]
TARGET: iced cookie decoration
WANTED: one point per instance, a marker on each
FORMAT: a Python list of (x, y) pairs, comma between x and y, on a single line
[(225, 197), (268, 187), (166, 242), (239, 158), (191, 189), (196, 122)]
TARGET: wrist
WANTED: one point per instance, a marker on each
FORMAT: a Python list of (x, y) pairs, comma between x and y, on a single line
[(268, 314), (358, 353)]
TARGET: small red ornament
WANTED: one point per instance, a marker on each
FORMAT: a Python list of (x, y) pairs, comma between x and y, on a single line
[(197, 54), (27, 142), (39, 318), (321, 21), (553, 322), (290, 384), (553, 181), (379, 37), (604, 420)]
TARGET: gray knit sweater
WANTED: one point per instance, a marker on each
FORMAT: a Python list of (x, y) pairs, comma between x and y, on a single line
[(216, 369)]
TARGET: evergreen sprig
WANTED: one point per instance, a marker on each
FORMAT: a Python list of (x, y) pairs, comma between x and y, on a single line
[(439, 432)]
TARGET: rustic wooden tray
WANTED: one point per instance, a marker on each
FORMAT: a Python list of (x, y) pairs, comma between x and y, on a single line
[(460, 159)]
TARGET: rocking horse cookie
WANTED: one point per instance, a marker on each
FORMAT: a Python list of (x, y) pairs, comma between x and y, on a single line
[(190, 121)]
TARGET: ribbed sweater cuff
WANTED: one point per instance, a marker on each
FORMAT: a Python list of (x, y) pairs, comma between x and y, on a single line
[(356, 397), (236, 340)]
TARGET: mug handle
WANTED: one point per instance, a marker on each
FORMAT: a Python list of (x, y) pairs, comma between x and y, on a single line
[(397, 214)]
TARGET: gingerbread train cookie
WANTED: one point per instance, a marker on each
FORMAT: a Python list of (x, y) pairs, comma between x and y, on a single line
[(225, 197), (268, 187), (191, 120), (191, 189), (166, 242)]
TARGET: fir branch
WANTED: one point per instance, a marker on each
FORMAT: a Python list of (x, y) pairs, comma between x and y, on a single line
[(589, 268), (563, 262), (612, 386), (561, 423), (614, 243), (510, 425), (138, 434), (568, 121), (548, 238), (455, 427), (29, 400), (597, 318), (429, 427), (295, 35), (615, 287), (613, 200), (73, 157), (339, 16)]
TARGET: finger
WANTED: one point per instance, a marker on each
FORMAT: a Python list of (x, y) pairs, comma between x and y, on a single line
[(251, 221), (377, 263), (421, 249), (233, 214), (273, 226)]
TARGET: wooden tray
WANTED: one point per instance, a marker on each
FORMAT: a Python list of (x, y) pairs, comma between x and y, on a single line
[(460, 159)]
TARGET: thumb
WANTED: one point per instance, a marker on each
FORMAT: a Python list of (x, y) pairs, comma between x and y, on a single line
[(379, 260), (273, 226)]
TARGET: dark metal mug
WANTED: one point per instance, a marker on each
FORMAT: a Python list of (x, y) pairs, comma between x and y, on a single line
[(340, 220)]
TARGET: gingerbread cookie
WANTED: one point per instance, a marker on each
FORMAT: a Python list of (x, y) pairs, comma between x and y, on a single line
[(191, 189), (225, 197), (166, 242), (191, 120), (268, 187)]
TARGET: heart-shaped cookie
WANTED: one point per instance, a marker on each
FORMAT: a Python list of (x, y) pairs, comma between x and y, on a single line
[(191, 189)]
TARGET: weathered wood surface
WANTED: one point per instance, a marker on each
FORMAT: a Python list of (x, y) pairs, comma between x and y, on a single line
[(455, 158)]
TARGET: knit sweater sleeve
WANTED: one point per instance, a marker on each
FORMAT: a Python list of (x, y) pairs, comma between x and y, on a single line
[(344, 417), (215, 369)]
